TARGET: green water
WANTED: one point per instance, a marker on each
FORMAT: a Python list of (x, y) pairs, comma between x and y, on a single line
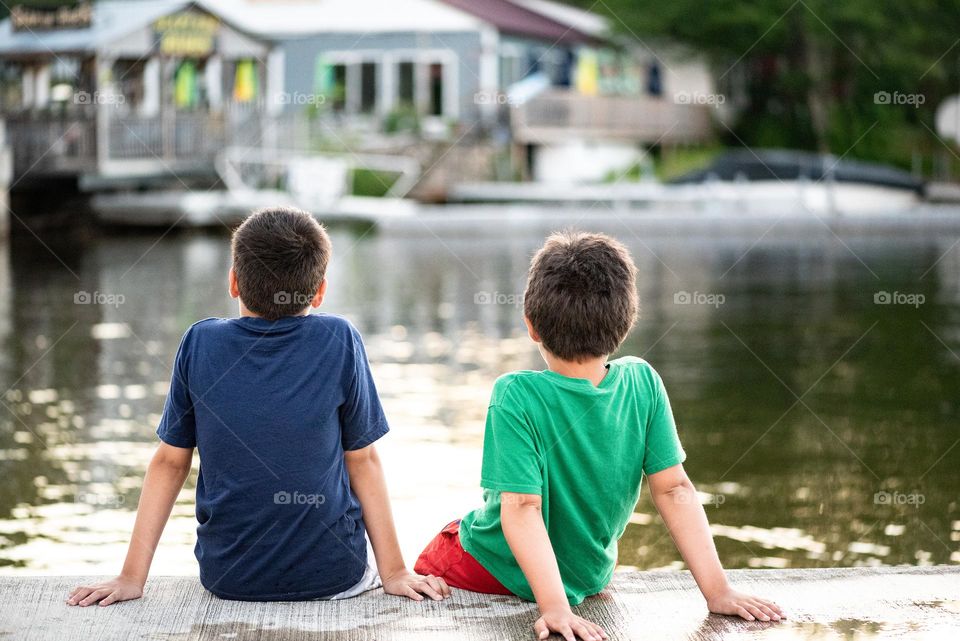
[(821, 427)]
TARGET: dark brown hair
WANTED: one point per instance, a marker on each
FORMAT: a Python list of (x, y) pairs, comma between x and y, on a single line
[(280, 257), (581, 294)]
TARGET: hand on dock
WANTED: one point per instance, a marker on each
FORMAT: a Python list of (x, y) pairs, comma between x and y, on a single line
[(569, 626), (414, 586), (112, 591), (745, 606)]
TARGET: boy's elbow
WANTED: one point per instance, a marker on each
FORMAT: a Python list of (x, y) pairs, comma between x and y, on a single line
[(672, 482), (512, 503), (681, 492), (360, 459), (173, 459)]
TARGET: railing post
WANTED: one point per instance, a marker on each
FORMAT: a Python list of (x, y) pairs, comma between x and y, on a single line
[(6, 176), (101, 108)]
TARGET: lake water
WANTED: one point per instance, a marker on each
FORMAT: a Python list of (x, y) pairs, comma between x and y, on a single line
[(815, 383)]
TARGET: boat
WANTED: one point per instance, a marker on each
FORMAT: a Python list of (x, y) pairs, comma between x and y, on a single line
[(741, 182)]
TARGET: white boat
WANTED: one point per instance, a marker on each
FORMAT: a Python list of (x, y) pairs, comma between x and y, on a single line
[(737, 197)]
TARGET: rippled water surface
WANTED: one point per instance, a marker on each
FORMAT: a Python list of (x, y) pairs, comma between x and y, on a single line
[(821, 424)]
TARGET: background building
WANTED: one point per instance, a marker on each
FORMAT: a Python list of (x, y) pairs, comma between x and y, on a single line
[(119, 89)]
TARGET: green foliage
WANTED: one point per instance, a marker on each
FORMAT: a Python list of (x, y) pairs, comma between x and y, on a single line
[(807, 72), (402, 118), (370, 182)]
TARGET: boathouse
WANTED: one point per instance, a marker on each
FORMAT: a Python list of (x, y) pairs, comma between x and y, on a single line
[(553, 79), (117, 90)]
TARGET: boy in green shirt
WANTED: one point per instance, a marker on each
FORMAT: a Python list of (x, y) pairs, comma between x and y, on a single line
[(566, 448)]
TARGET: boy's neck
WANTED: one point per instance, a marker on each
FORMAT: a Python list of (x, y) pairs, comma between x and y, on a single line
[(244, 312), (592, 369)]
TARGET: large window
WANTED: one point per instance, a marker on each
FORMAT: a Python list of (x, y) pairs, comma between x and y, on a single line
[(435, 104), (381, 82), (368, 87), (406, 85), (338, 87)]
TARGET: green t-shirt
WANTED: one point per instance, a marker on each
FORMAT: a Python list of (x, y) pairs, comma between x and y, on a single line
[(584, 449)]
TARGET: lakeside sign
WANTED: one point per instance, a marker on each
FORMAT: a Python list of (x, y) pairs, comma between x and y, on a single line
[(187, 33), (77, 16)]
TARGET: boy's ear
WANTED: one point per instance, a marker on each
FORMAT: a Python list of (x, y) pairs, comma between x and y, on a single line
[(534, 336), (232, 286), (321, 292)]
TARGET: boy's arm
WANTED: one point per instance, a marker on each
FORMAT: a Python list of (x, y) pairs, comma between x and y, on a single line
[(522, 522), (676, 501), (370, 486), (162, 483)]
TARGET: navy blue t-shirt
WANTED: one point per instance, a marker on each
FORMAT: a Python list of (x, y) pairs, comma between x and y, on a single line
[(271, 407)]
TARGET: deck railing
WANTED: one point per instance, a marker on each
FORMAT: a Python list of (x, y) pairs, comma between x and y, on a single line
[(557, 116), (45, 143), (51, 144)]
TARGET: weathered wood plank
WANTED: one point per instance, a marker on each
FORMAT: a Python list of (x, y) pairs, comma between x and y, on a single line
[(832, 604)]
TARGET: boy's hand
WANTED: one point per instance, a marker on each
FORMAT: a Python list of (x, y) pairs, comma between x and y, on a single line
[(743, 605), (112, 591), (414, 586), (568, 625)]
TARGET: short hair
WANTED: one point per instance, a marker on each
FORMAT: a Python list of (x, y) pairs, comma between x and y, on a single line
[(581, 295), (280, 257)]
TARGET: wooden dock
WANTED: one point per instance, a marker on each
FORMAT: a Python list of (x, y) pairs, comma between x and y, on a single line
[(850, 603)]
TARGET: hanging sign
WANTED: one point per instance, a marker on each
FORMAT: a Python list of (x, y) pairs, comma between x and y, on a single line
[(187, 34), (70, 16)]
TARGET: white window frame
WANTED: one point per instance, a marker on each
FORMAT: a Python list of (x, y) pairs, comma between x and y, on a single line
[(388, 73)]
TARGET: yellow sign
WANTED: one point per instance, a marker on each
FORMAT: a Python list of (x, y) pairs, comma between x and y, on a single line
[(187, 33)]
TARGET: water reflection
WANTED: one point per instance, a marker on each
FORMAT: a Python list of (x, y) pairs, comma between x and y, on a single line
[(821, 426)]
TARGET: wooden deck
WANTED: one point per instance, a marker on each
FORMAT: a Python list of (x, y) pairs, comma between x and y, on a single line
[(853, 603)]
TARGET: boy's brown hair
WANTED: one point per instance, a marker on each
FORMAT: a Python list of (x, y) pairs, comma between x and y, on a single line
[(280, 257), (581, 295)]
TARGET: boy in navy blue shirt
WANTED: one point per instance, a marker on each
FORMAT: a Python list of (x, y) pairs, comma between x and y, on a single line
[(283, 410)]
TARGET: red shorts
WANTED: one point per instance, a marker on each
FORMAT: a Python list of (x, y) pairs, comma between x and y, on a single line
[(445, 557)]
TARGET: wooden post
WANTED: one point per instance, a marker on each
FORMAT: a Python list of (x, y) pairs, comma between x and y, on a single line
[(102, 110), (6, 176)]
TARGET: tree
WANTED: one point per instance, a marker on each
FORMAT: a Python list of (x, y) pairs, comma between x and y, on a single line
[(858, 76)]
